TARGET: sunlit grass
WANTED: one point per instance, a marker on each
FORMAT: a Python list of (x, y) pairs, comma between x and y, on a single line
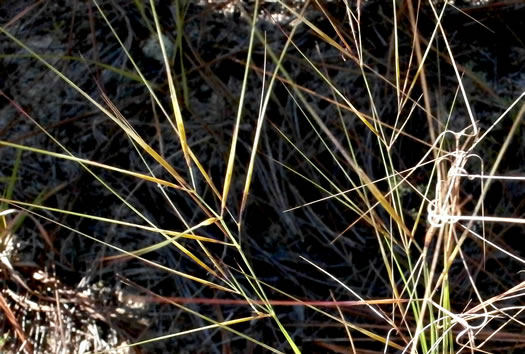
[(417, 248)]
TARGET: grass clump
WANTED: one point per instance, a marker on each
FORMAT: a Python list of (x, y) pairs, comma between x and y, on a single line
[(296, 177)]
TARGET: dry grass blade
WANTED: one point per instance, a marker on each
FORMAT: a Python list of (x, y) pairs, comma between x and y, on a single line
[(235, 136), (185, 234), (223, 324), (260, 120), (173, 93), (361, 173), (355, 327), (174, 234), (325, 37), (95, 164), (154, 96), (130, 254), (347, 329), (159, 298), (165, 233), (26, 345), (118, 119)]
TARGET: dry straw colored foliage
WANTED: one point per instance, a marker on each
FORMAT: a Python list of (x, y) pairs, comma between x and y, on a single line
[(277, 176)]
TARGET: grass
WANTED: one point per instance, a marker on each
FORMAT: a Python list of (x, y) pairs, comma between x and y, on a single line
[(325, 177)]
